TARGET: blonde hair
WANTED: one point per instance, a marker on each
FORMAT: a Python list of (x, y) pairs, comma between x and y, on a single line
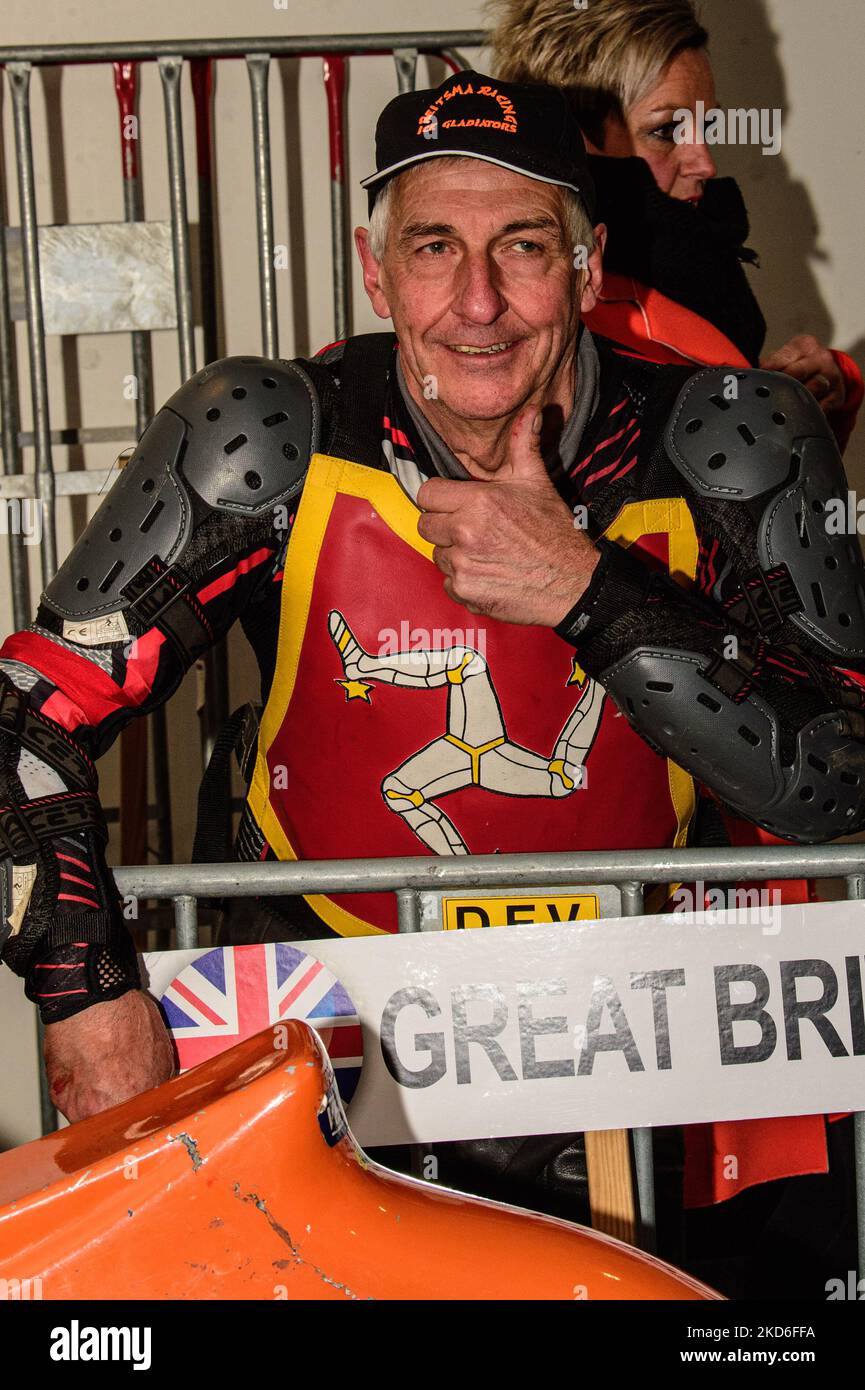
[(577, 224), (606, 56)]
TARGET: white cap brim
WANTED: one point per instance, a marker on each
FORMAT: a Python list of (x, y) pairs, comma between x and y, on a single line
[(392, 169)]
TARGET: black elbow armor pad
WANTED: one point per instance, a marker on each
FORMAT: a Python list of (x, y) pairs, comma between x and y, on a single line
[(808, 788), (235, 440), (770, 449)]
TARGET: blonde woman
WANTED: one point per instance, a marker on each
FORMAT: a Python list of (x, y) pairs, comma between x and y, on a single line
[(675, 286)]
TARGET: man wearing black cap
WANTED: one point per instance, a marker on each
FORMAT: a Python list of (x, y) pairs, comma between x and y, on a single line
[(463, 556), (490, 329)]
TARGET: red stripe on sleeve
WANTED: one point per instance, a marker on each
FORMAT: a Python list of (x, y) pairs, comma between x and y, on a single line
[(96, 694), (227, 581)]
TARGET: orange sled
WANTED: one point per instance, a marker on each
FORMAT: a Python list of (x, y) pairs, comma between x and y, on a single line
[(240, 1179)]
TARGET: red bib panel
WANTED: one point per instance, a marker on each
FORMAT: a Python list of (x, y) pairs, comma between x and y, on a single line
[(400, 724)]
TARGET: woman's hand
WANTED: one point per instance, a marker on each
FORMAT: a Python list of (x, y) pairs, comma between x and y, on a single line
[(810, 362)]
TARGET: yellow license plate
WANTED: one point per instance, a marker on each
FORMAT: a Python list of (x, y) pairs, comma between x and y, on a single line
[(540, 909)]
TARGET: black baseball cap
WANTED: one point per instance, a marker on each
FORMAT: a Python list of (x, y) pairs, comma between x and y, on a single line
[(531, 129)]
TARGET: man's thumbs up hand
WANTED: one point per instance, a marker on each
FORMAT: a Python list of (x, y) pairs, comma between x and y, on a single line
[(508, 548), (524, 461)]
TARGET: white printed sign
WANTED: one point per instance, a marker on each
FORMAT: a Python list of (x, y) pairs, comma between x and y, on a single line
[(659, 1020)]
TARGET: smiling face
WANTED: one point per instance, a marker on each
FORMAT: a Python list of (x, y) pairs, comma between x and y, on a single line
[(647, 129), (478, 276)]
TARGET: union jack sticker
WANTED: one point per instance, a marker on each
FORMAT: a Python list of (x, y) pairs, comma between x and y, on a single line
[(233, 992)]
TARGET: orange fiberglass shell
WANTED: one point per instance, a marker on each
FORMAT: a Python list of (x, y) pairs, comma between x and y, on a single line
[(240, 1179)]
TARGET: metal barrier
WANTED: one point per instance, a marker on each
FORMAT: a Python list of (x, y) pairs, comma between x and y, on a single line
[(46, 483), (414, 881)]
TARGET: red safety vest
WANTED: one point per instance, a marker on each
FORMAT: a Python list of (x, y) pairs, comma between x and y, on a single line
[(452, 741)]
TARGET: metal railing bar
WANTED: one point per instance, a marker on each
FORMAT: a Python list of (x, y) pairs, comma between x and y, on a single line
[(632, 899), (75, 482), (642, 1139), (214, 708), (186, 922), (278, 46), (258, 67), (126, 87), (19, 82), (406, 68), (10, 420), (82, 434), (202, 80), (490, 870), (171, 71), (644, 1172), (408, 910), (333, 73)]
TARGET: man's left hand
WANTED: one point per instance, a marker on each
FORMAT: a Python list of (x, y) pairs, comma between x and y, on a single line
[(509, 548)]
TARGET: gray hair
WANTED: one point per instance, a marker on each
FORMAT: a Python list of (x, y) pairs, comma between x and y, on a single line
[(578, 226)]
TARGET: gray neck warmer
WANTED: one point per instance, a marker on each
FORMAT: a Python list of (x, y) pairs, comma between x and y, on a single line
[(585, 403)]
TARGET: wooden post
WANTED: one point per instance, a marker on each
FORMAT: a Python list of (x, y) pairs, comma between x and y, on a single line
[(612, 1197)]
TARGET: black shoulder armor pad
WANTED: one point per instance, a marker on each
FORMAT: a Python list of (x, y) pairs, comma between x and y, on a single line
[(252, 427), (735, 745), (761, 439), (237, 437)]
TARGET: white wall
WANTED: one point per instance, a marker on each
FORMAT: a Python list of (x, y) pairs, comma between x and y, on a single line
[(806, 208), (807, 203)]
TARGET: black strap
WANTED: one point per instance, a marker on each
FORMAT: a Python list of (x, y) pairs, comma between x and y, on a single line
[(161, 598), (43, 737), (355, 412), (22, 827), (766, 600), (212, 843), (90, 928), (708, 830), (620, 581)]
